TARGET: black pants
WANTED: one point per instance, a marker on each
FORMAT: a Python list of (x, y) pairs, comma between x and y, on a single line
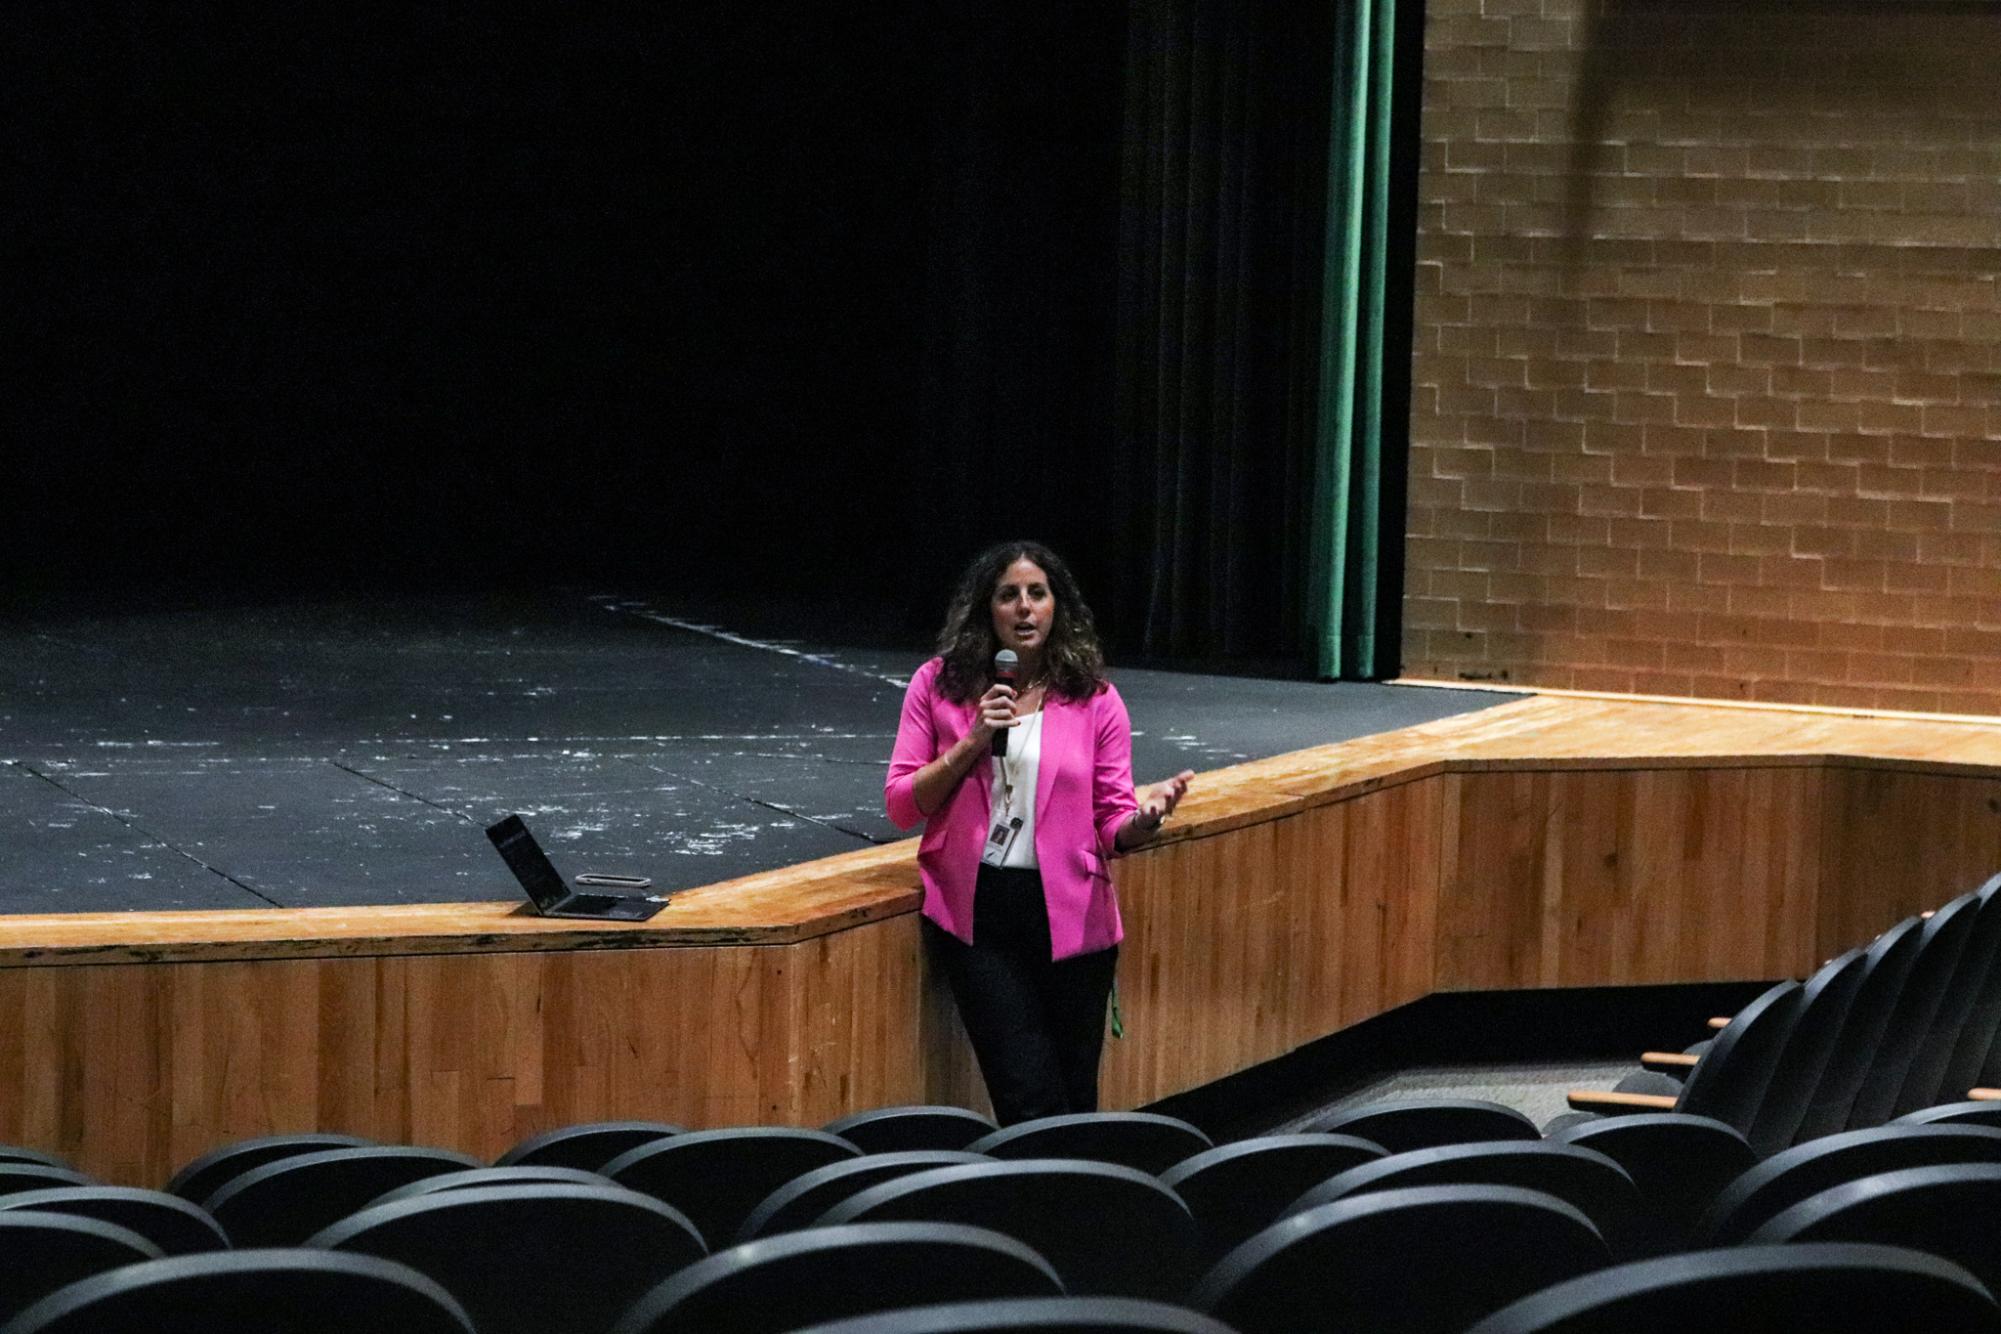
[(1037, 1026)]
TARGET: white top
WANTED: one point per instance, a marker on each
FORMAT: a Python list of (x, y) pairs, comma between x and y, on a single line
[(1016, 770)]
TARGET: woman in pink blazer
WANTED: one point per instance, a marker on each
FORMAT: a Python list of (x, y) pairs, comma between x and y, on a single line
[(1018, 900)]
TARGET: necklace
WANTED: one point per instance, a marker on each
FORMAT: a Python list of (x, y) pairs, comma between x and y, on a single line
[(1010, 763)]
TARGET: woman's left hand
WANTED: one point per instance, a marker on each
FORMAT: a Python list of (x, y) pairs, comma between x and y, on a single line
[(1159, 801)]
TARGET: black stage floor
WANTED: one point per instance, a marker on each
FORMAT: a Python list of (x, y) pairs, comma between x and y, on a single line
[(349, 752)]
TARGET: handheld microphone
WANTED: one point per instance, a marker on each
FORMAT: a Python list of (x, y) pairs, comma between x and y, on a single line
[(1005, 663)]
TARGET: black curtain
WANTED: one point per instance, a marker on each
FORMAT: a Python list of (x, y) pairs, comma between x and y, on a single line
[(1223, 215)]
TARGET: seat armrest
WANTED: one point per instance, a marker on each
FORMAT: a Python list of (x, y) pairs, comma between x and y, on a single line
[(1606, 1100)]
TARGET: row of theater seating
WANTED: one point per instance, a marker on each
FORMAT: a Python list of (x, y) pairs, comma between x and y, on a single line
[(1418, 1216), (1909, 1021)]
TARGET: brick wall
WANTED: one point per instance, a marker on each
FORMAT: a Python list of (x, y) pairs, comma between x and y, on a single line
[(1707, 379)]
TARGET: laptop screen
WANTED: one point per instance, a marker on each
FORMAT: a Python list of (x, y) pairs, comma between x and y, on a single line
[(525, 858)]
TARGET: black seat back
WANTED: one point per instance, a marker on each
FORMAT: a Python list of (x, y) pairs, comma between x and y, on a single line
[(210, 1172), (1915, 1016), (297, 1291), (1034, 1315), (1108, 1230), (526, 1259), (800, 1202), (716, 1177), (894, 1129), (1884, 966), (1403, 1124), (1235, 1190), (1976, 998), (1677, 1162), (168, 1221), (1146, 1141), (1954, 1114), (44, 1252), (589, 1146), (470, 1177), (1947, 1211), (16, 1177), (284, 1202), (1802, 1060), (1730, 1080), (1830, 1288), (828, 1273), (1784, 1179), (1399, 1259), (1586, 1180)]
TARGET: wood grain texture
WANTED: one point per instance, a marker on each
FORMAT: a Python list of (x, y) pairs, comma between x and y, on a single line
[(1598, 877), (1896, 842), (1542, 843)]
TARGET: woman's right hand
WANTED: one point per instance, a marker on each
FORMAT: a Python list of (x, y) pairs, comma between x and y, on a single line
[(996, 711)]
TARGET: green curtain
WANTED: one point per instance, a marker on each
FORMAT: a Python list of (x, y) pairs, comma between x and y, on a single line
[(1345, 588)]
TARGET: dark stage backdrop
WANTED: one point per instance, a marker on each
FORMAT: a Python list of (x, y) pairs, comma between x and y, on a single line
[(766, 300)]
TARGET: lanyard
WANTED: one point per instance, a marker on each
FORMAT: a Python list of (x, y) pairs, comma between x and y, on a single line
[(1010, 764)]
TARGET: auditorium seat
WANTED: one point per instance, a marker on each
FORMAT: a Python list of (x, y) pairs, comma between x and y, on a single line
[(1677, 1162), (1235, 1190), (1109, 1230), (1804, 1170), (208, 1173), (20, 1176), (1886, 963), (781, 1283), (13, 1153), (1941, 943), (294, 1291), (284, 1202), (41, 1252), (892, 1129), (716, 1177), (168, 1221), (1830, 1288), (1976, 1051), (1942, 1069), (528, 1259), (588, 1146), (1586, 1180), (472, 1177), (1423, 1260), (1954, 1114), (800, 1202), (1428, 1123), (1145, 1141), (1033, 1315), (1949, 1211), (1729, 1081), (1770, 1119)]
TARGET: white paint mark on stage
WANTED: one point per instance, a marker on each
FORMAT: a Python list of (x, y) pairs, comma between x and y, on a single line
[(646, 613)]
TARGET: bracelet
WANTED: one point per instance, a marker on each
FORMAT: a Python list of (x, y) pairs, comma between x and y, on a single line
[(1153, 828)]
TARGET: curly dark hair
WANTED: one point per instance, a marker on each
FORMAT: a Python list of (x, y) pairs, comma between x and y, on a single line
[(1074, 662)]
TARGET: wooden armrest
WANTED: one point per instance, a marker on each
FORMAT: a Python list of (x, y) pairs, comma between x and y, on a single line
[(1720, 1022), (1984, 1095), (1590, 1100), (1666, 1061)]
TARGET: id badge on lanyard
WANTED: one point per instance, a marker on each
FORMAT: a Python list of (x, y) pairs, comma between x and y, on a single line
[(1000, 838)]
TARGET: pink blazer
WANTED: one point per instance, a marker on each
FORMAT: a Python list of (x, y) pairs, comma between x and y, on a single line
[(1083, 794)]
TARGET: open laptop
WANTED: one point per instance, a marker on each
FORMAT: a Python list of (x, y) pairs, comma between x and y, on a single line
[(552, 897)]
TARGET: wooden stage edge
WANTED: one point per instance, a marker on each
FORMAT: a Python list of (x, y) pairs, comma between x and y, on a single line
[(1550, 841)]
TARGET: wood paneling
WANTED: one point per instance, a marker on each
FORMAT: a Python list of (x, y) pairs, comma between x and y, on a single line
[(1897, 842), (1541, 843), (1596, 876)]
